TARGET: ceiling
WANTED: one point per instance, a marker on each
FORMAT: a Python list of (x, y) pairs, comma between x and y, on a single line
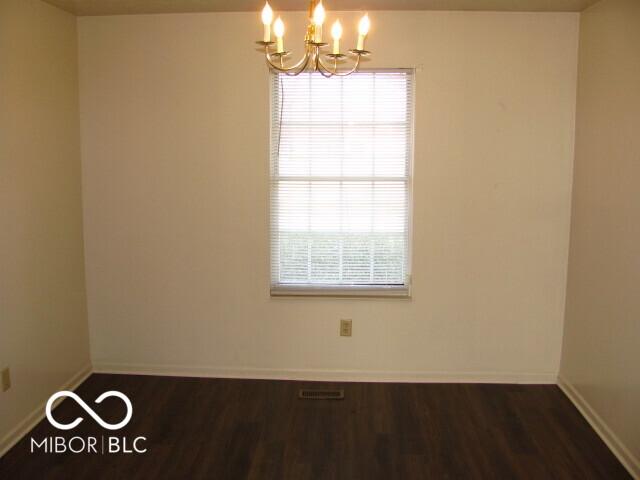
[(119, 7)]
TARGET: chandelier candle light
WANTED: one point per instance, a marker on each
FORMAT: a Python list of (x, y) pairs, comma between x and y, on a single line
[(312, 59)]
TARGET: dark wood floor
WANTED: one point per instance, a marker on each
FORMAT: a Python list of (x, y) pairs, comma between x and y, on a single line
[(236, 429)]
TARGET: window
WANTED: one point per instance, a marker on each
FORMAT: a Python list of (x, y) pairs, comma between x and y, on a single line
[(341, 153)]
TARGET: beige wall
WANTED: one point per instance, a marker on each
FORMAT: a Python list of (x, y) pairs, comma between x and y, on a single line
[(602, 332), (174, 118), (43, 322)]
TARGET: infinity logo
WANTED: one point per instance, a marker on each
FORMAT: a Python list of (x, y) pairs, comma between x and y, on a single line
[(87, 408)]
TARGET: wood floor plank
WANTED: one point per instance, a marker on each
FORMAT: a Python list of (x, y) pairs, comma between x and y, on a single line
[(259, 429)]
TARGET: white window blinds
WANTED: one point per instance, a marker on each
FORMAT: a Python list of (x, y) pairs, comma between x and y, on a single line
[(340, 183)]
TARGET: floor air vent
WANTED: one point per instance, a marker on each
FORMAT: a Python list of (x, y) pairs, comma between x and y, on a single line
[(309, 394)]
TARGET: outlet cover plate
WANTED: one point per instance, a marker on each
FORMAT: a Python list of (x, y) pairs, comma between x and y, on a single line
[(345, 327), (6, 379)]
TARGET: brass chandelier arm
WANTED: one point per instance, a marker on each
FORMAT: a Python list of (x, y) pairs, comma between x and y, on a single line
[(294, 69), (312, 59), (312, 56), (334, 71)]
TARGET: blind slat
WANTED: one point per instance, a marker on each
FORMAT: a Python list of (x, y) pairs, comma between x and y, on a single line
[(340, 180)]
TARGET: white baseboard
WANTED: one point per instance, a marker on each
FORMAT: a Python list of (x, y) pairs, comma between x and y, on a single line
[(31, 420), (631, 463), (326, 375)]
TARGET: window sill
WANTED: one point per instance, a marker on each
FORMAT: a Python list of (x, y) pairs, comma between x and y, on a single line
[(401, 291)]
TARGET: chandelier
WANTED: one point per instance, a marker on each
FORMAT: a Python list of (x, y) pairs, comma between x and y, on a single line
[(312, 59)]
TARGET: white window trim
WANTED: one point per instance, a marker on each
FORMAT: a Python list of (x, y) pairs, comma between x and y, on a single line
[(358, 291), (304, 290)]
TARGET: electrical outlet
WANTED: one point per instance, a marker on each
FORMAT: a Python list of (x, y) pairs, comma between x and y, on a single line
[(345, 327), (6, 379)]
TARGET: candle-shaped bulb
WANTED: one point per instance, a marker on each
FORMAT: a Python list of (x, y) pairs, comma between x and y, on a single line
[(336, 33), (364, 25), (363, 29), (336, 30), (318, 15), (318, 20), (267, 14), (267, 18), (278, 28)]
